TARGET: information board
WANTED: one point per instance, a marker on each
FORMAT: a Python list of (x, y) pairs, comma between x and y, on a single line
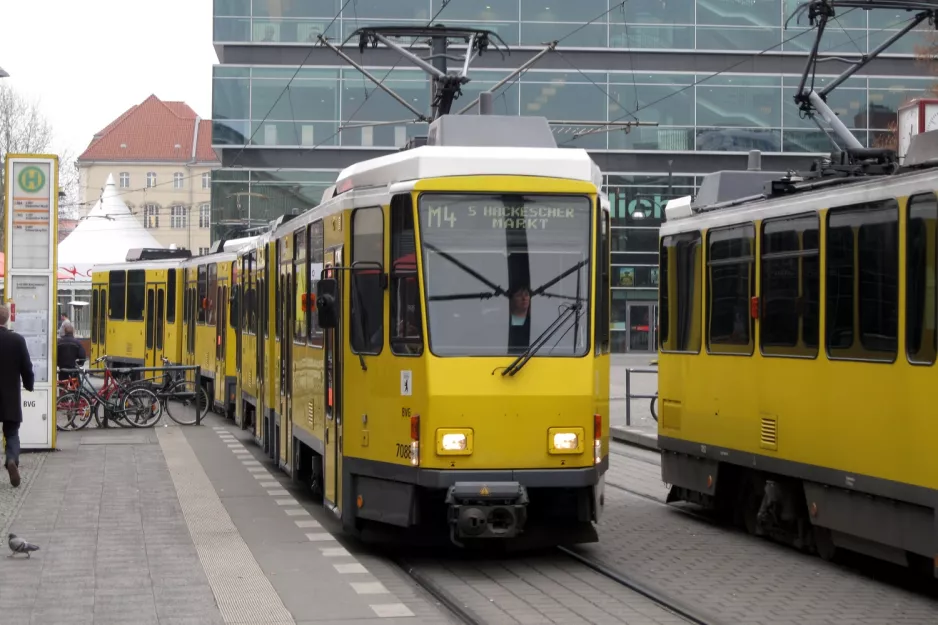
[(31, 210)]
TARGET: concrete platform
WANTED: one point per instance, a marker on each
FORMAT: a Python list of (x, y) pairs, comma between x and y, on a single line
[(639, 437), (183, 525)]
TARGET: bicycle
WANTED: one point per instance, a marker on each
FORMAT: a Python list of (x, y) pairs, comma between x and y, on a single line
[(124, 404), (179, 391)]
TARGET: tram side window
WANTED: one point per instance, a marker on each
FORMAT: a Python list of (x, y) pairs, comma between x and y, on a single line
[(863, 281), (117, 287), (730, 286), (300, 283), (94, 316), (405, 319), (171, 296), (367, 306), (278, 287), (316, 260), (201, 293), (921, 292), (790, 287), (136, 294), (681, 293)]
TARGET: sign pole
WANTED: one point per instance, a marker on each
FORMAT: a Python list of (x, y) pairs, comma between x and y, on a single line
[(31, 284)]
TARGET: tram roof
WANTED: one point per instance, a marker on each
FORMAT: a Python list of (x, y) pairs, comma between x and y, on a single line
[(432, 161)]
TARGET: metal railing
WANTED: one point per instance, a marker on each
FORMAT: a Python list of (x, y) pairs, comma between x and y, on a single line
[(629, 396)]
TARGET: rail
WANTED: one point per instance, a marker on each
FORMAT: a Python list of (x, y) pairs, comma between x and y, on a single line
[(629, 396), (169, 381)]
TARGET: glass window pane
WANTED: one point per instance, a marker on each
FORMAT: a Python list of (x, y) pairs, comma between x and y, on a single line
[(849, 104), (560, 101), (575, 12), (722, 38), (382, 9), (230, 98), (231, 29), (379, 106), (478, 10), (295, 8), (743, 107), (733, 13), (232, 7), (663, 37), (573, 34), (652, 12), (634, 239)]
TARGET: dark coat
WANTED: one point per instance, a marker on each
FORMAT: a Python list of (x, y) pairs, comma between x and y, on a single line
[(14, 365), (68, 353)]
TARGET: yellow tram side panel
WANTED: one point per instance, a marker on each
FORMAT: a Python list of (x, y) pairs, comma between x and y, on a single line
[(509, 417), (863, 418)]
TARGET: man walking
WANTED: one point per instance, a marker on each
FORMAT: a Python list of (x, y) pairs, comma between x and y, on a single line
[(14, 366)]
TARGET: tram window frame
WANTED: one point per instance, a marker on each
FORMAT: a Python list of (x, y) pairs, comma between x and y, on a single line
[(265, 294), (358, 344), (301, 291), (317, 256), (136, 294), (687, 256), (404, 284), (171, 296), (117, 295), (726, 344), (861, 219), (95, 311), (149, 326), (922, 223), (802, 309), (603, 290), (160, 314), (201, 290)]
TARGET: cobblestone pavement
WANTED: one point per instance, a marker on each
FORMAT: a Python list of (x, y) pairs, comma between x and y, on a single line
[(543, 589), (728, 574), (11, 498)]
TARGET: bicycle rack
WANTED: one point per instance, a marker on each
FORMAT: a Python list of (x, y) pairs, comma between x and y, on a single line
[(628, 391)]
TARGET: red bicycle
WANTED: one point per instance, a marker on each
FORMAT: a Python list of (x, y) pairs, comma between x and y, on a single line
[(124, 405)]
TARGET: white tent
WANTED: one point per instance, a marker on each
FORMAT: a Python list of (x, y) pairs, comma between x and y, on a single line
[(105, 235)]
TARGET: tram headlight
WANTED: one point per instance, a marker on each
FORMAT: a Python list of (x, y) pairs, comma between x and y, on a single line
[(454, 442), (565, 440)]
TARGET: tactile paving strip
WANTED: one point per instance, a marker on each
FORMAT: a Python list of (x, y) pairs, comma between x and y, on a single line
[(242, 591)]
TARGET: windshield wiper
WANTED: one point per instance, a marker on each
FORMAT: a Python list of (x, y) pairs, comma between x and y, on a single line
[(540, 341), (456, 296), (496, 290), (541, 289)]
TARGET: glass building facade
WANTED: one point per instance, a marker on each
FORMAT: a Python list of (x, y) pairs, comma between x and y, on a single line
[(691, 66)]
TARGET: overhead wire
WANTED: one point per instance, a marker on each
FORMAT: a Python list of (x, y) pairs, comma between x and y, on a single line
[(506, 87), (727, 69)]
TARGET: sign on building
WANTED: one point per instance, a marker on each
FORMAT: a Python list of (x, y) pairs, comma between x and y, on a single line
[(30, 285)]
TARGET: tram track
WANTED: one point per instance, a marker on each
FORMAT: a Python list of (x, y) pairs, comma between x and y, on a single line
[(458, 609), (663, 601)]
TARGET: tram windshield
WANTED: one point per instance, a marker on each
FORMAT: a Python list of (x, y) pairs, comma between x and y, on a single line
[(501, 269)]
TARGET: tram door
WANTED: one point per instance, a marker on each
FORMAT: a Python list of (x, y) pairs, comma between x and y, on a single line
[(153, 327), (286, 358), (332, 463), (221, 341), (259, 372)]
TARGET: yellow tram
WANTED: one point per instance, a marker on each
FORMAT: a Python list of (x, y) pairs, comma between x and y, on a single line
[(797, 346), (429, 346)]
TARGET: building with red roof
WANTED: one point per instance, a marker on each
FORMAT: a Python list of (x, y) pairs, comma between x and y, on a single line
[(160, 154)]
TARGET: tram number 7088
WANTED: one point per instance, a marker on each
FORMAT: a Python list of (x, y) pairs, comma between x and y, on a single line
[(403, 451)]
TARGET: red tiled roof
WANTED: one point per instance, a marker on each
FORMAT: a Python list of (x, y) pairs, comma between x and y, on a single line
[(150, 131)]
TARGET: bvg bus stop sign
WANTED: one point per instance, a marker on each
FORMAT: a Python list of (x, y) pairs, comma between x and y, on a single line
[(31, 203)]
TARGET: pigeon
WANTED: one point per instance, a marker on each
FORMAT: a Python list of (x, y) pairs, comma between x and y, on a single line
[(18, 545)]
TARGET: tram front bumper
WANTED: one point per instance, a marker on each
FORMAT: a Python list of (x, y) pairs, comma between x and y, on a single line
[(487, 510)]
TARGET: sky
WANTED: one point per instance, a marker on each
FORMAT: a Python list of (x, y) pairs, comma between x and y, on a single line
[(88, 61)]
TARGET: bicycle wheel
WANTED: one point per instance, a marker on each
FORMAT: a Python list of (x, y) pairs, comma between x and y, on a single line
[(183, 399), (73, 411), (654, 405), (141, 408)]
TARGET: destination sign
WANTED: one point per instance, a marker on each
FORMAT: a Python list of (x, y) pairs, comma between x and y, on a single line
[(488, 212)]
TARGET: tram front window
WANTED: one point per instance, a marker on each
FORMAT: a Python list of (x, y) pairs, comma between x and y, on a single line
[(502, 270)]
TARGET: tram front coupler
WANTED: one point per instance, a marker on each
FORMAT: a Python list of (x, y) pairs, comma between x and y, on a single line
[(486, 510)]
